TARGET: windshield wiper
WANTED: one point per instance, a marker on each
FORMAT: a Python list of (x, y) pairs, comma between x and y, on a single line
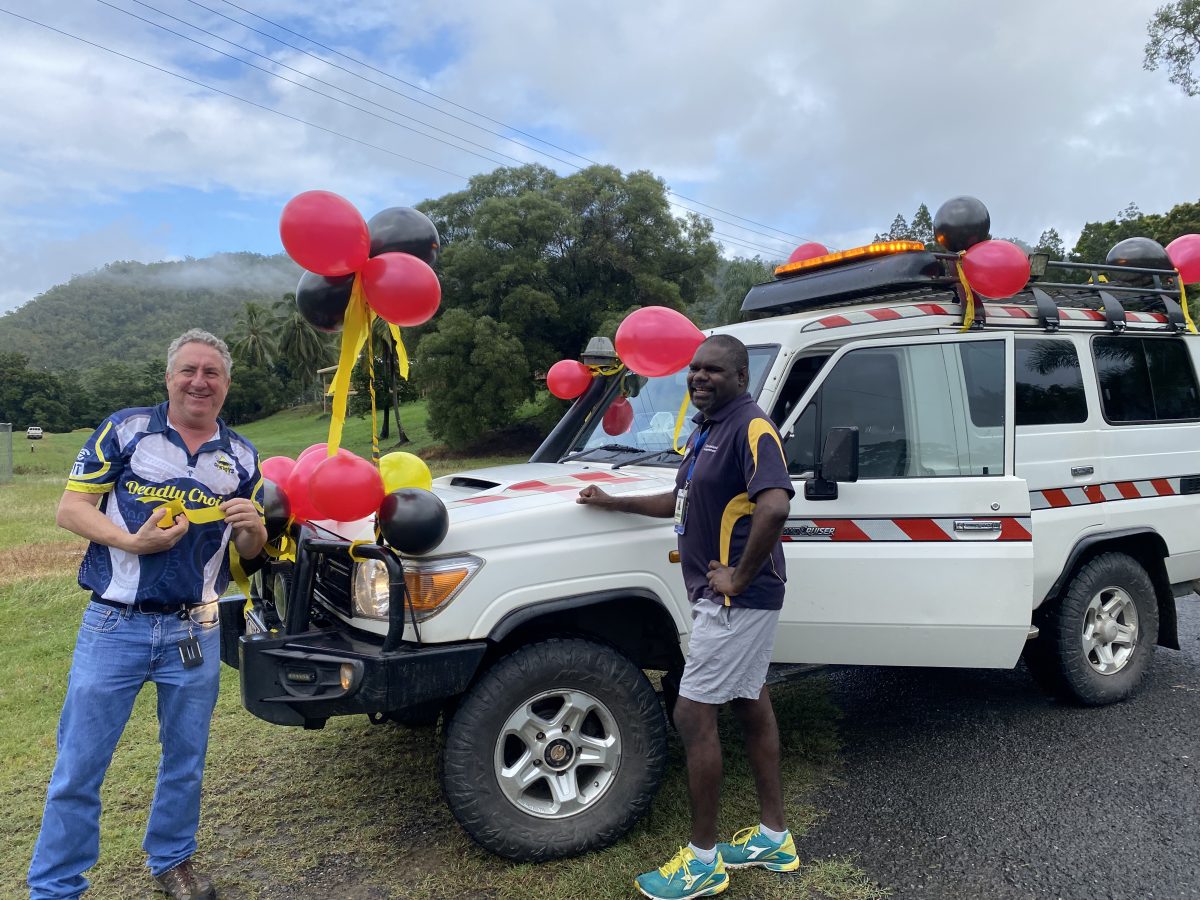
[(643, 457), (610, 448)]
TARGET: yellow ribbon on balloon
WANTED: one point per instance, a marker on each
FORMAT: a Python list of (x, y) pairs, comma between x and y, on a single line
[(356, 330), (1183, 302), (969, 303)]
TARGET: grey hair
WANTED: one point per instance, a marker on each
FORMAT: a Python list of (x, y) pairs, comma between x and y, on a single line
[(198, 336)]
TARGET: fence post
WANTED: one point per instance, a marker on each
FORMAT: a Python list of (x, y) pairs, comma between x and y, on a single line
[(6, 453)]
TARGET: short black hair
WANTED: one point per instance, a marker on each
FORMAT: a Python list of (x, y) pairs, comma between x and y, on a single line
[(733, 351)]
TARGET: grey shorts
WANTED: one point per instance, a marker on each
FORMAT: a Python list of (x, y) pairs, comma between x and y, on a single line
[(729, 652)]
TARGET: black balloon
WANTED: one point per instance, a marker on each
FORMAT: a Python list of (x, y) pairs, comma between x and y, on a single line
[(404, 230), (413, 520), (1139, 253), (322, 301), (276, 508), (960, 223)]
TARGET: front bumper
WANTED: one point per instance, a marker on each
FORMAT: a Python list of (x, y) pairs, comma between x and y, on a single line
[(302, 673)]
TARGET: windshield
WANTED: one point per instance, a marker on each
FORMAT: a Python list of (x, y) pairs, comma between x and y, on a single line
[(642, 415)]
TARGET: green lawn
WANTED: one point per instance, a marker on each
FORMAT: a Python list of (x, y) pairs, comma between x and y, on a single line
[(354, 810)]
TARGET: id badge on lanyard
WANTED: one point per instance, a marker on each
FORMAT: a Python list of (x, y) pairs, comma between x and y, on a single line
[(681, 497)]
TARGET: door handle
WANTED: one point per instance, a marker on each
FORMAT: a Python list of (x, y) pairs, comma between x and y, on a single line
[(976, 525), (1080, 471)]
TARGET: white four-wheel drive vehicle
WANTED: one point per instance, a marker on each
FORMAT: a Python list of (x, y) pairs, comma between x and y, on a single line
[(1027, 487)]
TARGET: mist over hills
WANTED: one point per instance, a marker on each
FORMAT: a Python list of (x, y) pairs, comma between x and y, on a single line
[(130, 311)]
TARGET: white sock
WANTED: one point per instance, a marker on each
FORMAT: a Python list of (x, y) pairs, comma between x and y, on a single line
[(705, 856), (776, 836)]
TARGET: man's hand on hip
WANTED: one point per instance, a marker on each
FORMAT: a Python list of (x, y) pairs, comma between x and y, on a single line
[(721, 579)]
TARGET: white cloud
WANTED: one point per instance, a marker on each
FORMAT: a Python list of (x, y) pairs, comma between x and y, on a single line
[(823, 120)]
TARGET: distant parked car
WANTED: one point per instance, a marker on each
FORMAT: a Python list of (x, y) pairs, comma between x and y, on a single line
[(34, 433)]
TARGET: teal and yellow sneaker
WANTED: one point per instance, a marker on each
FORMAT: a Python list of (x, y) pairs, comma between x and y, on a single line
[(683, 877), (750, 847)]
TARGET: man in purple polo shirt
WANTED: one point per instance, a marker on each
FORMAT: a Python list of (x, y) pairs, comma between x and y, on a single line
[(730, 504)]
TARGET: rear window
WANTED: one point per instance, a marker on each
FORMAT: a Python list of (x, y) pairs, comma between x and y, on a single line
[(1145, 379)]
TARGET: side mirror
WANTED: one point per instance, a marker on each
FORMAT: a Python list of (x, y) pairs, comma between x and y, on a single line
[(839, 462)]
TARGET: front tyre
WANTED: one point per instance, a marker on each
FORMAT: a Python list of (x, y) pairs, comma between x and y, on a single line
[(557, 750), (1104, 630)]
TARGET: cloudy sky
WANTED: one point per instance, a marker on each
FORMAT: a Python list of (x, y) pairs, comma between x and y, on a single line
[(814, 121)]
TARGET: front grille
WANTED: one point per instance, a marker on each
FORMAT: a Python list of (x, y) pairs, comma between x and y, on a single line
[(331, 583)]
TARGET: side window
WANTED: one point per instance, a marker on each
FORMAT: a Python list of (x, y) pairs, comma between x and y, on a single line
[(1049, 385), (917, 412), (804, 370), (1145, 379)]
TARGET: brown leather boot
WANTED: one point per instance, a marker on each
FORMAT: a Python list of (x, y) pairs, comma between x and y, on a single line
[(184, 883)]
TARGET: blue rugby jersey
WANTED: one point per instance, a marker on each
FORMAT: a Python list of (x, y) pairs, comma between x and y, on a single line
[(740, 457), (138, 461)]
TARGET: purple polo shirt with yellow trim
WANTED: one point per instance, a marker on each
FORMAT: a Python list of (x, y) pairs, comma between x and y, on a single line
[(741, 456)]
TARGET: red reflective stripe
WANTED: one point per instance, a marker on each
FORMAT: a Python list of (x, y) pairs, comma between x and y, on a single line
[(883, 314), (1017, 312), (1093, 493), (1128, 490), (1162, 486), (541, 487), (1056, 497), (1014, 530), (1092, 314), (834, 321), (922, 529), (843, 529), (488, 499), (600, 476), (932, 309)]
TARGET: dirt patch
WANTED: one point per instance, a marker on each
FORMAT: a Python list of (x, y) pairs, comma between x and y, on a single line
[(37, 560)]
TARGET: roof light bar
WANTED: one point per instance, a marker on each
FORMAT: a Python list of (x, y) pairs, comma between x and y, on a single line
[(881, 248)]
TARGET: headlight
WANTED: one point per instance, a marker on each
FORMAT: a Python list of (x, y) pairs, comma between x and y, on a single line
[(431, 584)]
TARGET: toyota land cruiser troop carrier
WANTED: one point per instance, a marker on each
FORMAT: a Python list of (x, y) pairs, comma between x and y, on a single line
[(1027, 487)]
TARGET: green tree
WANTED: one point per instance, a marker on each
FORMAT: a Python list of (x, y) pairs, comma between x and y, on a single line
[(467, 358), (391, 388), (253, 337), (30, 397), (1174, 41), (734, 279), (921, 228), (551, 259), (1051, 243), (301, 348)]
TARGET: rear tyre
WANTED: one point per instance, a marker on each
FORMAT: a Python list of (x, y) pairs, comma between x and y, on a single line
[(1102, 633), (557, 750)]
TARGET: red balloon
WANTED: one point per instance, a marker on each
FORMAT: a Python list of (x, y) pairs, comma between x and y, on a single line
[(345, 488), (324, 233), (655, 340), (277, 468), (618, 418), (1184, 253), (996, 269), (810, 250), (401, 289), (313, 448), (568, 378), (298, 482)]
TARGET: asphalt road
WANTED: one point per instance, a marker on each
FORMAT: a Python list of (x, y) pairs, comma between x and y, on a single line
[(971, 783)]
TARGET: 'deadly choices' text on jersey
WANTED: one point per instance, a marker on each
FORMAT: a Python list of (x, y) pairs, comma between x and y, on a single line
[(139, 462)]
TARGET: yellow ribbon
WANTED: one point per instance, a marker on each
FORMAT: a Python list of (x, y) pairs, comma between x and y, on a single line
[(371, 391), (969, 306), (351, 550), (679, 424), (198, 516), (1183, 302), (356, 331)]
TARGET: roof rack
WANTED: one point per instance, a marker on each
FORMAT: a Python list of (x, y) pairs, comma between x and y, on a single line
[(928, 277)]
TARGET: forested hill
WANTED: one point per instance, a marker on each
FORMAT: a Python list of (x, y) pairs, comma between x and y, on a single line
[(130, 311)]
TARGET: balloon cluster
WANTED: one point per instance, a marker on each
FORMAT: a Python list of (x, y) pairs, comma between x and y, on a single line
[(390, 256), (345, 487), (995, 269)]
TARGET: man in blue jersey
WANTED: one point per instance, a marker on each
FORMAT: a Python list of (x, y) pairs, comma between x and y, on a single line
[(160, 493), (731, 500)]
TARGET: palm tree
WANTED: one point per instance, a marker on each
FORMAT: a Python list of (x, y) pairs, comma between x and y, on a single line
[(301, 347), (385, 349), (253, 336)]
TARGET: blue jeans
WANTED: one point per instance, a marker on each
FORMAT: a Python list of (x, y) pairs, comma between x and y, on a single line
[(117, 652)]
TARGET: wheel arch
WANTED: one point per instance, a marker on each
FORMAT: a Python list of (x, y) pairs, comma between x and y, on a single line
[(634, 621), (1149, 549)]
